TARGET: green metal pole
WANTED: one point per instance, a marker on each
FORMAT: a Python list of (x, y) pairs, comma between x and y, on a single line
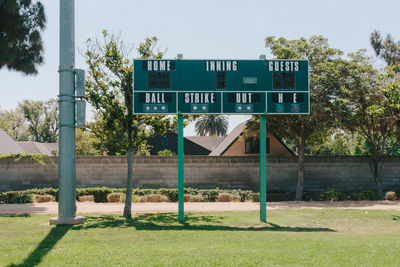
[(181, 216), (263, 168), (66, 163)]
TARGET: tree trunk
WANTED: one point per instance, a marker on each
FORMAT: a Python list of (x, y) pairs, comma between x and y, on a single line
[(129, 181), (376, 171), (300, 166)]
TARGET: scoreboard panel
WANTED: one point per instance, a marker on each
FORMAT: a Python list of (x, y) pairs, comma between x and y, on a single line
[(220, 86)]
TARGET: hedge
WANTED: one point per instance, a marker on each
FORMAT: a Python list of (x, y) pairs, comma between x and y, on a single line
[(209, 195)]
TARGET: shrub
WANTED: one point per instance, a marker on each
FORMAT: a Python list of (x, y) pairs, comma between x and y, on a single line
[(391, 195), (114, 197), (166, 152), (99, 193), (22, 198), (170, 193), (43, 198), (255, 197), (367, 195), (154, 198), (86, 198), (227, 197), (193, 198), (210, 195)]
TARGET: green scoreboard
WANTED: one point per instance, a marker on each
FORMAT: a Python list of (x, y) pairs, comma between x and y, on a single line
[(163, 86)]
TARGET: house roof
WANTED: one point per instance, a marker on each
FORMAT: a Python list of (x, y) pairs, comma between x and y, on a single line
[(236, 132), (209, 142), (49, 149), (8, 145), (220, 149)]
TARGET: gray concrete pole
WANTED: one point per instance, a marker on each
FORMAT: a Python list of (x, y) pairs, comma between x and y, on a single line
[(66, 163)]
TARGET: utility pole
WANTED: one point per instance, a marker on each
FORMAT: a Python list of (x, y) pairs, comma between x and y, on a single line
[(66, 162)]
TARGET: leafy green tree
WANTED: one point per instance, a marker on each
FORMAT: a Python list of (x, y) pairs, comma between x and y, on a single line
[(42, 120), (14, 123), (387, 48), (326, 71), (85, 143), (373, 110), (212, 125), (21, 23), (110, 92)]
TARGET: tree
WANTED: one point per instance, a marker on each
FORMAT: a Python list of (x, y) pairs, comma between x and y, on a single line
[(21, 23), (41, 119), (373, 110), (326, 70), (32, 121), (14, 123), (110, 92), (387, 48), (212, 125)]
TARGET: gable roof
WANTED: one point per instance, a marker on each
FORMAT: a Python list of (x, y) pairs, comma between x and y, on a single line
[(220, 149), (209, 142), (8, 145), (49, 149), (231, 138)]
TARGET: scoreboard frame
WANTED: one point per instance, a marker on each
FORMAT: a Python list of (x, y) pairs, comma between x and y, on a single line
[(241, 77)]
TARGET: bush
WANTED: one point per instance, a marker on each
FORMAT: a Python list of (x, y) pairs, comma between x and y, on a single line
[(43, 198), (115, 197), (367, 195), (391, 195), (170, 193), (166, 152), (22, 198), (255, 197), (227, 197), (99, 193), (193, 198), (86, 198), (210, 195), (154, 198)]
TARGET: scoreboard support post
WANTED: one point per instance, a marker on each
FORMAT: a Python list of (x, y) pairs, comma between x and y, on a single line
[(263, 168), (181, 216)]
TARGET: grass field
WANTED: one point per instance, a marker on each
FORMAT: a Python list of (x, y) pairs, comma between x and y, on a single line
[(328, 237)]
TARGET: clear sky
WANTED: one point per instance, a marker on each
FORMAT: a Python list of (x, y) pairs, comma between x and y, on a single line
[(230, 29)]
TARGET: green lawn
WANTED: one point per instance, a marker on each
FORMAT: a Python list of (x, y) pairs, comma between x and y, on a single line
[(328, 237)]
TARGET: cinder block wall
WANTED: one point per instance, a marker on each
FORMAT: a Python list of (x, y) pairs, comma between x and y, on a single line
[(341, 173)]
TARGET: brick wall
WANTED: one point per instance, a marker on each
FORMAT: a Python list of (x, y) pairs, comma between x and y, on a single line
[(341, 173)]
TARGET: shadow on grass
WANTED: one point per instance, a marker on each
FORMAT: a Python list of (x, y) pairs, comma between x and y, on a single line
[(44, 247), (395, 218), (168, 221)]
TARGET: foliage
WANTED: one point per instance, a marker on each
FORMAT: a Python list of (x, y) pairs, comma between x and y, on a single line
[(36, 157), (42, 119), (166, 152), (14, 123), (326, 68), (102, 194), (114, 197), (387, 48), (340, 143), (153, 198), (143, 149), (32, 121), (21, 24), (86, 143), (212, 125), (391, 195), (371, 107), (99, 193), (109, 87)]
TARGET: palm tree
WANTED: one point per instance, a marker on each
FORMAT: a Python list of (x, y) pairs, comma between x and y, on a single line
[(212, 125)]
